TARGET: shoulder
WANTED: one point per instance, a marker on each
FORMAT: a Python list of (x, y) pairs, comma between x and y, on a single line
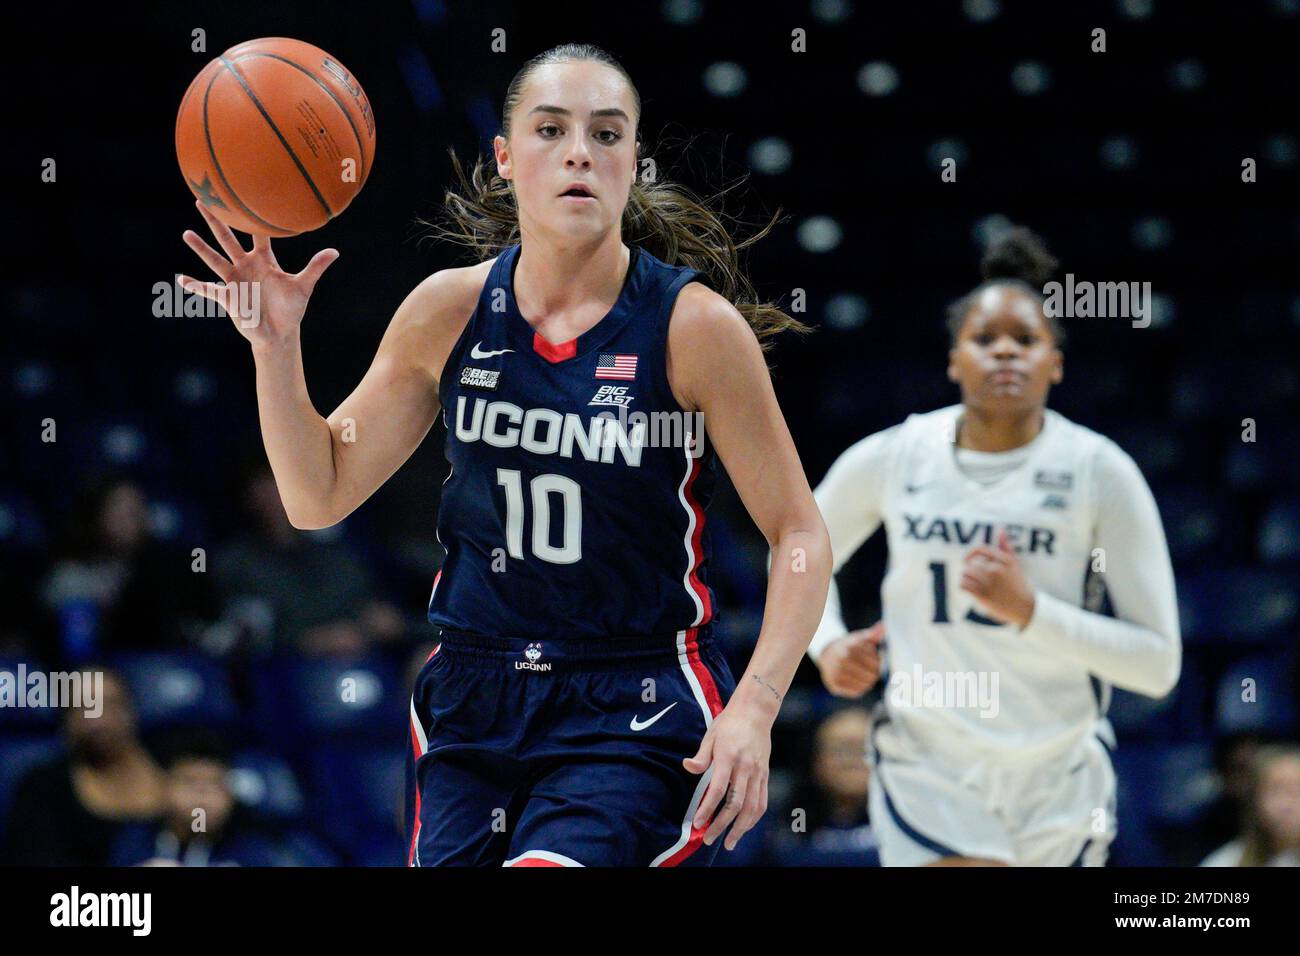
[(874, 450), (709, 345), (448, 297), (937, 419), (1080, 437), (932, 428), (435, 313), (868, 452), (1110, 464), (699, 315)]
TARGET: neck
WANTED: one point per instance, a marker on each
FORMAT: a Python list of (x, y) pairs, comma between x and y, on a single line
[(556, 276), (980, 431)]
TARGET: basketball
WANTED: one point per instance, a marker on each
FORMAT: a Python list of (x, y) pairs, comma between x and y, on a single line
[(275, 137)]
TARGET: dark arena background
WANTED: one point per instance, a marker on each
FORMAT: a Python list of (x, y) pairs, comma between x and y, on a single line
[(141, 530)]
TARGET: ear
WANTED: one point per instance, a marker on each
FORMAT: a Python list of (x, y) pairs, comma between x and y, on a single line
[(1058, 368), (952, 366), (501, 150)]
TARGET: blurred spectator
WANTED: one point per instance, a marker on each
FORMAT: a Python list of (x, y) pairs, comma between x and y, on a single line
[(115, 588), (313, 590), (837, 827), (70, 812), (1234, 760), (1271, 830), (201, 825)]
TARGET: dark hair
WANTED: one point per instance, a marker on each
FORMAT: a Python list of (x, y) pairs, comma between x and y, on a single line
[(1260, 844), (192, 743), (1017, 258), (664, 218)]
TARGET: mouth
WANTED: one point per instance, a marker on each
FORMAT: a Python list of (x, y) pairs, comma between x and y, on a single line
[(578, 193), (1007, 375)]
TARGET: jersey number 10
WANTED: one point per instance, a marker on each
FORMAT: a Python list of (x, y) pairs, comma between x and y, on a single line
[(541, 488)]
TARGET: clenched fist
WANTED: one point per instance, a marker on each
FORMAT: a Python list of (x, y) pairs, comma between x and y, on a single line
[(850, 665), (995, 576)]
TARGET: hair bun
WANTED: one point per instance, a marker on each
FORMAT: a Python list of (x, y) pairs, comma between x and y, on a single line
[(1020, 254)]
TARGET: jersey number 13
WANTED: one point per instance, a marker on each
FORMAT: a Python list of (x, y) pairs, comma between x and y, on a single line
[(940, 572)]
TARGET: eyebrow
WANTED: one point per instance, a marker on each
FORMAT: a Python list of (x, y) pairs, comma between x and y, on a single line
[(561, 111), (1021, 324)]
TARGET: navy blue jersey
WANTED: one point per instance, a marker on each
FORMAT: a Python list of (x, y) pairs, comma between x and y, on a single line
[(575, 503)]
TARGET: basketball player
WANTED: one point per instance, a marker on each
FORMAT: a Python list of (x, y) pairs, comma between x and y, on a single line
[(989, 740), (577, 710)]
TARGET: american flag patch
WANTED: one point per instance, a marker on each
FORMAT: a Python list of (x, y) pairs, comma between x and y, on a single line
[(616, 366)]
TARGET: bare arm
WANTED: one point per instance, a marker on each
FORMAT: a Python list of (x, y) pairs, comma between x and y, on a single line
[(327, 467), (718, 368)]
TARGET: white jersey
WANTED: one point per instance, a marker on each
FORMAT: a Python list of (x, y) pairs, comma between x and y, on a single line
[(957, 681)]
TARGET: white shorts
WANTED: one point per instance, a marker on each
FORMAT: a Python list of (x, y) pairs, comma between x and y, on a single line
[(1053, 813)]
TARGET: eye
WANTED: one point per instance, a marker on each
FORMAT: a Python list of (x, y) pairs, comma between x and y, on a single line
[(544, 127), (983, 338), (614, 135)]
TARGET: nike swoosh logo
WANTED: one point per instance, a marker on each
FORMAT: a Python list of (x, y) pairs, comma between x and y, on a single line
[(638, 725), (478, 353)]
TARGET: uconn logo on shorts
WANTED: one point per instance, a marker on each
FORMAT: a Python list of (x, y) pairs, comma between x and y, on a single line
[(533, 654)]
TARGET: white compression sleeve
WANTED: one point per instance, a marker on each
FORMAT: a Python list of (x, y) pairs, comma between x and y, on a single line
[(850, 501), (1140, 649)]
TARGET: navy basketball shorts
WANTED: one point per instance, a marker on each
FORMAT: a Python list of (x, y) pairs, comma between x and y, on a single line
[(562, 753)]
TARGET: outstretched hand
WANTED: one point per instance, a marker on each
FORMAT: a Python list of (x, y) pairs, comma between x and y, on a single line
[(265, 303)]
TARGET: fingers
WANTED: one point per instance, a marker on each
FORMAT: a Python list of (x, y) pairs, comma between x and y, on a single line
[(733, 801), (262, 243), (861, 652), (985, 553), (209, 255), (209, 290), (855, 674), (754, 809), (703, 757), (980, 568), (976, 581), (713, 795), (851, 666), (849, 687), (314, 269), (225, 238)]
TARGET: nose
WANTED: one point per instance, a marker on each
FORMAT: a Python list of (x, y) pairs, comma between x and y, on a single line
[(577, 153), (1005, 346)]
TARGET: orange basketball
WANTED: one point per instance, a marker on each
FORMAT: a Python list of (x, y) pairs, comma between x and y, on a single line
[(275, 137)]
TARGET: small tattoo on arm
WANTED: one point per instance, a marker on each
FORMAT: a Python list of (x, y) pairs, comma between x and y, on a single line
[(775, 693)]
